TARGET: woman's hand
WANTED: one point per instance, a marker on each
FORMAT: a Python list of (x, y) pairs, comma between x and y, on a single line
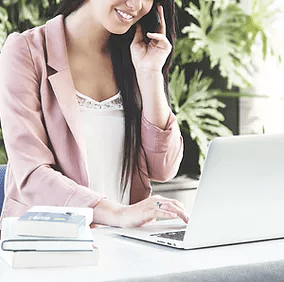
[(148, 60), (109, 213), (151, 56), (149, 209)]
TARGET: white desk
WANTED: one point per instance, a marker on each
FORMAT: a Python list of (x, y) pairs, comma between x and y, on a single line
[(131, 260)]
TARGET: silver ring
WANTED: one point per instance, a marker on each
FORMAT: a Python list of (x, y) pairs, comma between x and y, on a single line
[(158, 204)]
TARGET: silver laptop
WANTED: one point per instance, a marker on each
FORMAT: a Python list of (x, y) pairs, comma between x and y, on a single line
[(240, 197)]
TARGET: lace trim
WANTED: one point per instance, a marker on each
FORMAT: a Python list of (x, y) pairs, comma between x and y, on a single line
[(113, 103)]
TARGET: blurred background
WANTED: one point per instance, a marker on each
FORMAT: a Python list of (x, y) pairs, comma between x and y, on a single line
[(226, 74)]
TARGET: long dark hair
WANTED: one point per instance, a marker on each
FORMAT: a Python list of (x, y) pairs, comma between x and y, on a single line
[(126, 80)]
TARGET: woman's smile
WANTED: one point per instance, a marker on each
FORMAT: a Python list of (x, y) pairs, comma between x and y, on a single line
[(123, 16)]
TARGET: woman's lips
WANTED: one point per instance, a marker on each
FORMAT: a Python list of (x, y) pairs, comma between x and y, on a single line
[(124, 17)]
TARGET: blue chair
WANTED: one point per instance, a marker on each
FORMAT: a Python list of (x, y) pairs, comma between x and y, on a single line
[(2, 180)]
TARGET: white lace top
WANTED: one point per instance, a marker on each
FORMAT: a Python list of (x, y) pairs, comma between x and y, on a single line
[(103, 124)]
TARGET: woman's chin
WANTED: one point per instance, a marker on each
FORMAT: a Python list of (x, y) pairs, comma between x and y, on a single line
[(119, 31)]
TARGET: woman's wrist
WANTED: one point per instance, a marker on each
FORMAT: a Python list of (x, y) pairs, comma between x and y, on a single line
[(144, 74), (154, 101), (107, 213)]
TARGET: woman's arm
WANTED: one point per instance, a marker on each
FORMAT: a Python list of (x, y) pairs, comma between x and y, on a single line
[(148, 60), (162, 149), (161, 137)]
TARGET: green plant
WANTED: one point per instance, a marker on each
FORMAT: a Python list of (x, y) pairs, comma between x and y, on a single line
[(3, 155), (221, 36), (198, 107)]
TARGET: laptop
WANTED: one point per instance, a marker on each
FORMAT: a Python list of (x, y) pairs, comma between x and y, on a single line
[(240, 197)]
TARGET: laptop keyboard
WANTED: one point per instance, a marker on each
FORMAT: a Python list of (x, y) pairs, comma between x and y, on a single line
[(178, 235)]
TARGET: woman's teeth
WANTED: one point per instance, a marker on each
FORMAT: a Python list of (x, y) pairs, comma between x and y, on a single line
[(124, 15)]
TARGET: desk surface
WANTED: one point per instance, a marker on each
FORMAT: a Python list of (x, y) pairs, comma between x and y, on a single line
[(123, 259)]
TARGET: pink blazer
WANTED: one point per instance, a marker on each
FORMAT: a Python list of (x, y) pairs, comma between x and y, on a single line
[(42, 129)]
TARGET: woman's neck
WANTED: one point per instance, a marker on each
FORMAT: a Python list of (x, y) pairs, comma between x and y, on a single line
[(84, 34)]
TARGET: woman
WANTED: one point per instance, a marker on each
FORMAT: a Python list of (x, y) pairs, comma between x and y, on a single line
[(85, 116)]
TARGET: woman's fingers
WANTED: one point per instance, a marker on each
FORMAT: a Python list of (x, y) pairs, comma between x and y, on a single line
[(173, 209), (173, 201), (162, 26), (154, 212), (158, 37), (160, 41), (170, 207), (151, 208), (142, 213)]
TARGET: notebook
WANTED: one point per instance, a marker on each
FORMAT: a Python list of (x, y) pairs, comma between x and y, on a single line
[(240, 197)]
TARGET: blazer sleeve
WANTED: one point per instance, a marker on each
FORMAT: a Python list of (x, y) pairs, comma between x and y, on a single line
[(31, 161), (162, 149)]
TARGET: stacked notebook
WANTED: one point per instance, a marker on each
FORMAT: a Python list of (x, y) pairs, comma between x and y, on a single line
[(49, 237)]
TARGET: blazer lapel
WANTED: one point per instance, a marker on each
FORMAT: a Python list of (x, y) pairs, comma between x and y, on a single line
[(61, 81), (66, 97)]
